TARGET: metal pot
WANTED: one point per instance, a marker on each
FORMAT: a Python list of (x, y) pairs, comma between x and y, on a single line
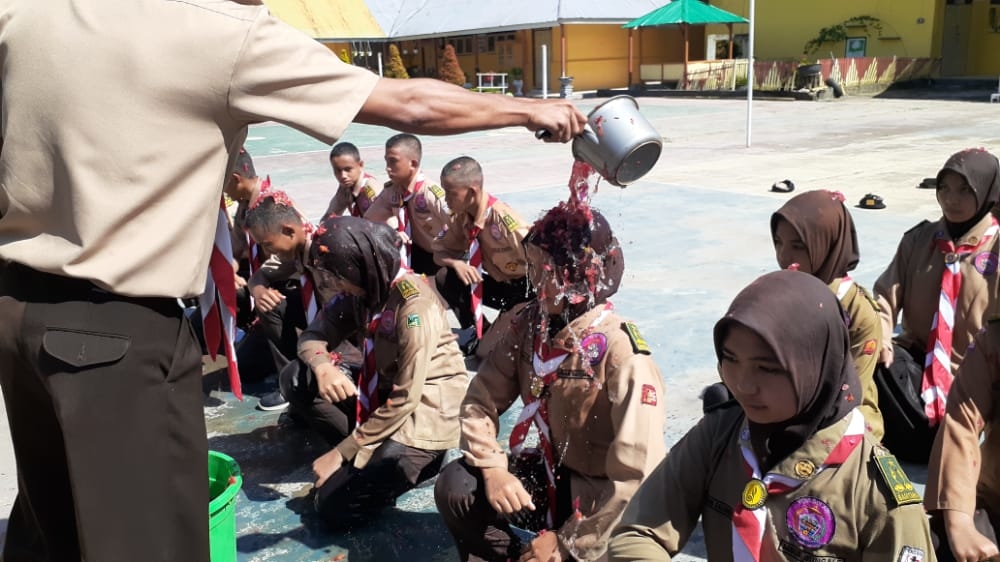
[(618, 141)]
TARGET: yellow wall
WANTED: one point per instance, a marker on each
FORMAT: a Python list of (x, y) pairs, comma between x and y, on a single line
[(784, 26), (984, 43)]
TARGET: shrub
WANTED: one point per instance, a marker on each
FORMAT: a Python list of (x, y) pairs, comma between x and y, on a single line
[(395, 68), (450, 70)]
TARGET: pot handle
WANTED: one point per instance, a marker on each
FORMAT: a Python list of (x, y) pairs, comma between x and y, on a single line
[(546, 134)]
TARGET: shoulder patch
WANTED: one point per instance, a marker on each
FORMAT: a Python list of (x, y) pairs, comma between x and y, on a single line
[(894, 478), (407, 289), (369, 192), (868, 297), (436, 190), (918, 225), (412, 320), (510, 222), (639, 344)]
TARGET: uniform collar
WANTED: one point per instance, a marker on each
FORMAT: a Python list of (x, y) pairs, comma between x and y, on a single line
[(804, 463)]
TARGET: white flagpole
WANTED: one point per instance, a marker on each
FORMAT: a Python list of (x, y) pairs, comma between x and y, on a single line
[(750, 60)]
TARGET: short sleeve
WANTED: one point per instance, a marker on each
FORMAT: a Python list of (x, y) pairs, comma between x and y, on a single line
[(283, 75)]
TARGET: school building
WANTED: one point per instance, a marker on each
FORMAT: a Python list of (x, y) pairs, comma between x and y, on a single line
[(585, 38)]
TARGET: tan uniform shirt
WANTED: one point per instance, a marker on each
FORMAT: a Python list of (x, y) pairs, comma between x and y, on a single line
[(607, 429), (912, 283), (112, 172), (960, 470), (421, 370), (501, 240), (704, 475), (344, 201), (866, 340), (428, 212)]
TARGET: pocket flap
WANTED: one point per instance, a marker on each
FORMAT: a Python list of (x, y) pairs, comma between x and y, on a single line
[(84, 349)]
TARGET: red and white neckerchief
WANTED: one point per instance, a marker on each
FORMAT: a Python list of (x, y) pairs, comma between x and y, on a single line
[(310, 302), (476, 261), (368, 379), (403, 218), (937, 363), (218, 302), (256, 255), (545, 361), (845, 285), (356, 210), (749, 524)]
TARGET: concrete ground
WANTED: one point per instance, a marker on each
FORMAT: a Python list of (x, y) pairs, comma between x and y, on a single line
[(694, 232)]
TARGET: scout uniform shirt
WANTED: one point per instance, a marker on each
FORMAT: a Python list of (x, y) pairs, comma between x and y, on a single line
[(960, 470), (501, 240), (355, 205), (912, 282), (422, 376), (865, 329), (428, 213), (849, 512), (605, 412)]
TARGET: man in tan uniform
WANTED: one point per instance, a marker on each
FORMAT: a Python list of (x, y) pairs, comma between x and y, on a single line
[(962, 247), (963, 477), (597, 392), (410, 203), (356, 188), (481, 251), (116, 144), (408, 387)]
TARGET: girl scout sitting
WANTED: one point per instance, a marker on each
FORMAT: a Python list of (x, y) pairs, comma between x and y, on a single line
[(588, 384), (789, 474)]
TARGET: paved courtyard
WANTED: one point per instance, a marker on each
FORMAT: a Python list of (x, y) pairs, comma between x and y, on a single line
[(694, 232)]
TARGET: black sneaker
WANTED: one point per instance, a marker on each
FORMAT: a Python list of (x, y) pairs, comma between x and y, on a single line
[(272, 402)]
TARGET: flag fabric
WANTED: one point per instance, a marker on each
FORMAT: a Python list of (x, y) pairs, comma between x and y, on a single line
[(218, 302)]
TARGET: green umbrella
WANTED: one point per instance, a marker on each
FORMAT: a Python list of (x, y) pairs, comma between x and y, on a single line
[(685, 13)]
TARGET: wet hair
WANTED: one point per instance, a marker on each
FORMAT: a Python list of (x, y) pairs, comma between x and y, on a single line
[(243, 165), (271, 212), (407, 142), (345, 149), (464, 171)]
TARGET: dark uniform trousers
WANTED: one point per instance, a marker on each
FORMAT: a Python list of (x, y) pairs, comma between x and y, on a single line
[(482, 533), (353, 496), (907, 434), (501, 295), (104, 398), (271, 342)]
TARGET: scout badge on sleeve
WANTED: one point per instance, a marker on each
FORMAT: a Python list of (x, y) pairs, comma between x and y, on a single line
[(648, 395), (895, 479), (910, 554), (639, 344)]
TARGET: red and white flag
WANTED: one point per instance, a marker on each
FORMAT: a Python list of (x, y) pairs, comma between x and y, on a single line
[(218, 302)]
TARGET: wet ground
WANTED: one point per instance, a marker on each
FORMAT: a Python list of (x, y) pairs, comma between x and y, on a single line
[(694, 232)]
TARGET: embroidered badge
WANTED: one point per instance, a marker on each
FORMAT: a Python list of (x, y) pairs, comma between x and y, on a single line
[(911, 554), (510, 222), (369, 192), (986, 263), (495, 231), (754, 494), (407, 289), (388, 323), (412, 320), (396, 200), (639, 344), (437, 191), (804, 468), (511, 266), (420, 202), (594, 347), (894, 477), (870, 347), (649, 395), (810, 522)]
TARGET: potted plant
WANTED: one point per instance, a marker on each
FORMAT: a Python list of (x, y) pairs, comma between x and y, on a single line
[(517, 79)]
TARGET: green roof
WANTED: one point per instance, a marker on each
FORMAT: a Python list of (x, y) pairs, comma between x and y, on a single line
[(694, 12)]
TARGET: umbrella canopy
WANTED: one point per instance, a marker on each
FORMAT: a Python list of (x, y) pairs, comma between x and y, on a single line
[(692, 12)]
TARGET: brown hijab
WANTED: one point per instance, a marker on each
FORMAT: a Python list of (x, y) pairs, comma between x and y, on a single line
[(360, 251), (982, 172), (804, 324), (825, 226)]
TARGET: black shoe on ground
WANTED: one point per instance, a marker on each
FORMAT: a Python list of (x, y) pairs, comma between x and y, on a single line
[(272, 402)]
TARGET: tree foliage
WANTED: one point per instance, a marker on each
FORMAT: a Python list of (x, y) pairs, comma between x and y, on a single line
[(839, 32), (395, 67), (450, 70)]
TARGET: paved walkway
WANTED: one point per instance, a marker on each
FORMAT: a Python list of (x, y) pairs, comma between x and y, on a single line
[(694, 232)]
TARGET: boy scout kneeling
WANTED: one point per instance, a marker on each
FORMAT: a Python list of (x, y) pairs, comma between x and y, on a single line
[(587, 382)]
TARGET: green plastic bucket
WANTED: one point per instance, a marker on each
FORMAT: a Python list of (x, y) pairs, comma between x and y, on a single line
[(224, 482)]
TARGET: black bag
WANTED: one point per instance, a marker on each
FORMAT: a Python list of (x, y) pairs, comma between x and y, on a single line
[(907, 433)]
